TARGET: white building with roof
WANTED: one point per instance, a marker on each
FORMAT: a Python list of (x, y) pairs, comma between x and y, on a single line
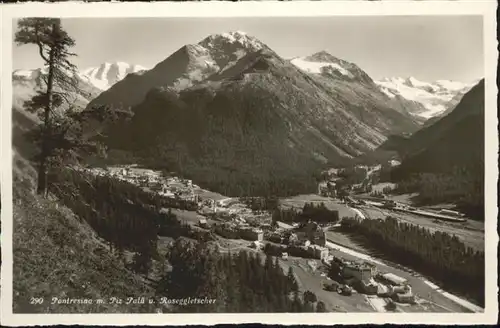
[(394, 279), (360, 271)]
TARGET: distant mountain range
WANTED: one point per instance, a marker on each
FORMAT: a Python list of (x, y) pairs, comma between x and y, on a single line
[(431, 99), (236, 117), (424, 100), (107, 74), (26, 83), (91, 81), (229, 107), (349, 108)]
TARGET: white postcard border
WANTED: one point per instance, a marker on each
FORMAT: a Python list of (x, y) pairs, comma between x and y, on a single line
[(486, 8)]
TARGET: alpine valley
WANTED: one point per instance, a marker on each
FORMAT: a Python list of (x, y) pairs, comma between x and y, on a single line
[(238, 181), (231, 114)]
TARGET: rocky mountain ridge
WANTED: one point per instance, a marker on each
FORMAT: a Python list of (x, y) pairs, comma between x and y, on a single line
[(229, 108)]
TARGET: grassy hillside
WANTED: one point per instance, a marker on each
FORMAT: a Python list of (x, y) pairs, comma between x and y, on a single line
[(57, 255)]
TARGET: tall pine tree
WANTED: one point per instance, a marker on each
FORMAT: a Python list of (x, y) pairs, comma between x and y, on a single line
[(53, 46)]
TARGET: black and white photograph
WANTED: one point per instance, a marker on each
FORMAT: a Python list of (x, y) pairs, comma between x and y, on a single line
[(258, 164)]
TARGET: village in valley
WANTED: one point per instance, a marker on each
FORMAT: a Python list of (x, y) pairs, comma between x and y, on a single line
[(339, 275)]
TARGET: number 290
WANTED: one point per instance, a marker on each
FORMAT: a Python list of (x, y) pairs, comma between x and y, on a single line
[(36, 300)]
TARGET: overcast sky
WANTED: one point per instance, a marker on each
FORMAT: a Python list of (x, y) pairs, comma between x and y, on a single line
[(426, 47)]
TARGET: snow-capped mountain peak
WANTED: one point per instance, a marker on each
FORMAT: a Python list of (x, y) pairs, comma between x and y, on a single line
[(29, 74), (321, 62), (323, 56), (317, 67), (234, 38), (91, 81), (234, 35), (324, 63), (24, 73), (411, 81), (107, 74), (436, 97), (454, 85), (217, 53)]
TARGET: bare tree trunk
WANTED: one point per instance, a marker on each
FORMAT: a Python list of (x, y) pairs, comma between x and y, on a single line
[(43, 166)]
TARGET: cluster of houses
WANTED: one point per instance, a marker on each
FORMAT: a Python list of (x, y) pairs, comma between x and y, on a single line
[(231, 210), (234, 220), (171, 187), (230, 214), (307, 239), (309, 236)]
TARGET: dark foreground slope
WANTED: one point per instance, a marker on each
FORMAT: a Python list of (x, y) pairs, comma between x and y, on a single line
[(58, 255)]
